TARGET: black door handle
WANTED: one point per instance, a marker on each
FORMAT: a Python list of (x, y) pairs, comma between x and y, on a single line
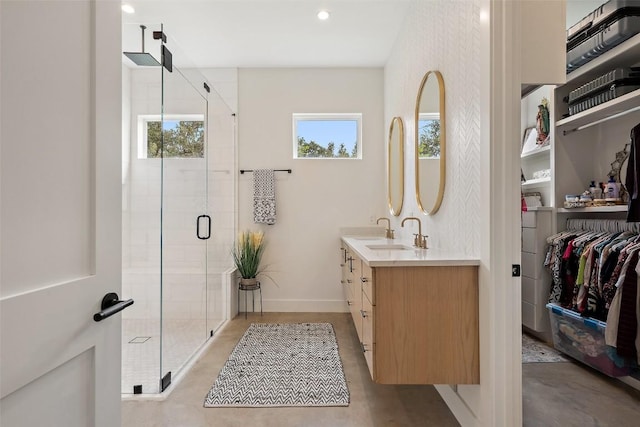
[(208, 227), (111, 304)]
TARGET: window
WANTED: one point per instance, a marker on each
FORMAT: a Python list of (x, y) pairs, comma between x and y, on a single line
[(327, 136), (429, 136), (183, 136)]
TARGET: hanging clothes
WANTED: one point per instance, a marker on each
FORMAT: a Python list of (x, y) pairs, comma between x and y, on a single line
[(594, 273), (585, 267)]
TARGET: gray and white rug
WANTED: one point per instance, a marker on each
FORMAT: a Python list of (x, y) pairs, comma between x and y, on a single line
[(534, 351), (273, 364)]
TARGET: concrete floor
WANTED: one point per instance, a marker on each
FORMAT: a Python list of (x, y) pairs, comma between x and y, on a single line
[(554, 394)]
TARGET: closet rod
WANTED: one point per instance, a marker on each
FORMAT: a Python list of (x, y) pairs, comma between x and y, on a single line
[(242, 171), (604, 225)]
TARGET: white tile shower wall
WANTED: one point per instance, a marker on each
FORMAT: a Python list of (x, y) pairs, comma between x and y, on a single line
[(444, 36)]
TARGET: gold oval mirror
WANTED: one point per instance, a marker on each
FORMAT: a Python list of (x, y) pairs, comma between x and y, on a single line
[(395, 166), (430, 143)]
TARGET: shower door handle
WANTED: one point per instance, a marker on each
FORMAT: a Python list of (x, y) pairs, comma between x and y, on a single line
[(208, 218)]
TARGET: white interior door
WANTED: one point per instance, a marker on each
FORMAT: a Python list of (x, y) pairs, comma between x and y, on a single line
[(60, 212)]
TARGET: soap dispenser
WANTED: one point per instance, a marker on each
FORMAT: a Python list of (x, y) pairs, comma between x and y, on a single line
[(592, 189)]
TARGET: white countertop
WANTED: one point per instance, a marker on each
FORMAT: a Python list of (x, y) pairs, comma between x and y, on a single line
[(371, 249)]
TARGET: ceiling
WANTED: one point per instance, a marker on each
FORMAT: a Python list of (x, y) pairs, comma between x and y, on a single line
[(270, 33)]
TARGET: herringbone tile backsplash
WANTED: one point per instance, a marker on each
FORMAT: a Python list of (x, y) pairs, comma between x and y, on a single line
[(442, 36)]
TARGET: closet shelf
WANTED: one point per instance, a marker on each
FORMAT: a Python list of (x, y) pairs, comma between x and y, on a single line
[(540, 182), (625, 104), (616, 208), (537, 152), (539, 208), (619, 56)]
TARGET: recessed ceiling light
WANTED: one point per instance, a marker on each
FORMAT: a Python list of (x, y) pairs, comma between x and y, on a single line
[(323, 15), (127, 8)]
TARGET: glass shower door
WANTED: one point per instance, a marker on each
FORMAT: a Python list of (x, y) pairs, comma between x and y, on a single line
[(185, 224), (141, 225)]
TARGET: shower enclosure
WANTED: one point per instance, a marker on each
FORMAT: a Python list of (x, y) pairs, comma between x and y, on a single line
[(177, 209)]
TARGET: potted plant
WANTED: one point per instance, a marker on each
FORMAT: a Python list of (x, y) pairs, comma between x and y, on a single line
[(247, 253)]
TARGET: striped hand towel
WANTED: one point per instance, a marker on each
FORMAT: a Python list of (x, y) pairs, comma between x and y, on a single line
[(264, 196)]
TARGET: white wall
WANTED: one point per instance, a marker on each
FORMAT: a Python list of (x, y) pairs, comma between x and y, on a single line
[(320, 196)]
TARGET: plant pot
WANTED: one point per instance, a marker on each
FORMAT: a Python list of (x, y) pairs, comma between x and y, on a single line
[(250, 283)]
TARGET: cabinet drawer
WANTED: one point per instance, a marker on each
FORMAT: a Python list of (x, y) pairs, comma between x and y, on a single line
[(529, 239), (368, 283), (529, 219), (534, 240), (535, 317), (536, 291), (529, 289), (532, 265), (368, 319), (528, 315)]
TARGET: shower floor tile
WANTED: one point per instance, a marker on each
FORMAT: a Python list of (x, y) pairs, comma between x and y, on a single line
[(141, 350)]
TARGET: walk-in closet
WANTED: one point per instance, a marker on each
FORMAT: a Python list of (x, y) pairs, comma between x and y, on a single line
[(579, 241)]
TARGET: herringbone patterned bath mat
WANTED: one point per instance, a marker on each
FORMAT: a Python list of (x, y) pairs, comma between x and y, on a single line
[(282, 365)]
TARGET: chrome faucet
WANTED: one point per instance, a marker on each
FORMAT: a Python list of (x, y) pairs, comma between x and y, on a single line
[(390, 234), (420, 241)]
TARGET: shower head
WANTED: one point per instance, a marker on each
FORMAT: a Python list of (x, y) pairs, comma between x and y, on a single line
[(142, 58)]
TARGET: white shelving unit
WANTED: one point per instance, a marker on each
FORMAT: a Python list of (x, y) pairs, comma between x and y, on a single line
[(626, 104), (542, 151), (539, 158), (595, 209), (587, 142), (535, 183), (536, 222)]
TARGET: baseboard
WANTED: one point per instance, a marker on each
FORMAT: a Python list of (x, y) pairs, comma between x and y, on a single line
[(631, 381), (304, 306), (458, 407)]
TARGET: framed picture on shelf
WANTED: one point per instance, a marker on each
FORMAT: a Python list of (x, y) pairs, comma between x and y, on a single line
[(529, 140)]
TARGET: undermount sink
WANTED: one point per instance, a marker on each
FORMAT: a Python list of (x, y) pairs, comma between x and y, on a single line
[(368, 238), (391, 246)]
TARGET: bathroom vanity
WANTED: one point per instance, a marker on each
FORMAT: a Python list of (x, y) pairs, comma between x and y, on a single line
[(415, 311)]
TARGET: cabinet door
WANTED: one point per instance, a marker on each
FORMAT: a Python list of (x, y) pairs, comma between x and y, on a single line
[(345, 276), (367, 280), (368, 326), (426, 325), (355, 304)]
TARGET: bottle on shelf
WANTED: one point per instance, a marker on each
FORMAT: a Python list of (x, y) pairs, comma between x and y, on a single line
[(612, 189), (592, 190)]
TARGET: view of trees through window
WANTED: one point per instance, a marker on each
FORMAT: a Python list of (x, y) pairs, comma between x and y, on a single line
[(429, 138), (313, 149), (182, 138), (327, 136)]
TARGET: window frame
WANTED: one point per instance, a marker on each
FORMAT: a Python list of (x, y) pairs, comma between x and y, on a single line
[(357, 117), (143, 143)]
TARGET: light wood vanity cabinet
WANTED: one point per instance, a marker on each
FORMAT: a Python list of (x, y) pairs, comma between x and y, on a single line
[(418, 325)]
